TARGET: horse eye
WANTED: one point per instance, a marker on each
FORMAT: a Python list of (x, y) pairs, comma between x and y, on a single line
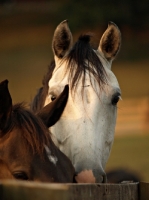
[(20, 175), (115, 100), (53, 97)]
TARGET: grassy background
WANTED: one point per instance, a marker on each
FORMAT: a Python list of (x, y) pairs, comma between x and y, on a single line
[(25, 53), (131, 152)]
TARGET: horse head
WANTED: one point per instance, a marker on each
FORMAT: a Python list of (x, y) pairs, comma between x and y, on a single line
[(26, 147), (85, 131)]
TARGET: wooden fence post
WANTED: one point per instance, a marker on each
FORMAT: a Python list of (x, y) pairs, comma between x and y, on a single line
[(127, 191), (21, 190), (143, 191)]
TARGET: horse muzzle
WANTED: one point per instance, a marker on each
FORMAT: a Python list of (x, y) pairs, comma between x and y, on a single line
[(91, 176)]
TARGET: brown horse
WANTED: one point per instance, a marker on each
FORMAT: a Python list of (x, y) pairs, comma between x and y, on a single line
[(4, 171), (26, 148)]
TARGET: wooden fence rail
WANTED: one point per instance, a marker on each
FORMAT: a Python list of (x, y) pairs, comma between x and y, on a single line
[(144, 191), (19, 190), (133, 116)]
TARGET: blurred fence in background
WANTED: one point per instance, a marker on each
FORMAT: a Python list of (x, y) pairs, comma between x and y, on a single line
[(133, 116)]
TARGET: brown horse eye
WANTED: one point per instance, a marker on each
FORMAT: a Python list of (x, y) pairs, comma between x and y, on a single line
[(20, 175), (53, 97)]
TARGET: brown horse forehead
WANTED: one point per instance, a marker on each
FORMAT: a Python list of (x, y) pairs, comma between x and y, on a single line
[(14, 157), (13, 147), (5, 172)]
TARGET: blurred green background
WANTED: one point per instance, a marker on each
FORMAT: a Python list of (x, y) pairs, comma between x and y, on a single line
[(26, 31)]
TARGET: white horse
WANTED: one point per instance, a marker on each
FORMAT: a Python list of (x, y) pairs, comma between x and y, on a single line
[(85, 132)]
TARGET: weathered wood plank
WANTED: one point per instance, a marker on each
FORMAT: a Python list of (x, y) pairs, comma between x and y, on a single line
[(127, 191), (143, 191), (19, 190)]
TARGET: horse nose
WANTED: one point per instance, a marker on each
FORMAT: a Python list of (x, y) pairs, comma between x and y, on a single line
[(91, 176)]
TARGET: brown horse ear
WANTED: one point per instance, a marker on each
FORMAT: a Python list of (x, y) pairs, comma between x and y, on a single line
[(52, 112), (5, 105)]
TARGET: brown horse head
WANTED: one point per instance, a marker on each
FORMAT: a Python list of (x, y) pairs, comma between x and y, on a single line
[(26, 148), (4, 171)]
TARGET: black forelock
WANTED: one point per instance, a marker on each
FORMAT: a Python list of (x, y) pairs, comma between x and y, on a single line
[(81, 59)]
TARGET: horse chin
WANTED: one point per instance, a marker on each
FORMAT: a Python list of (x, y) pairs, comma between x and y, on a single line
[(87, 176)]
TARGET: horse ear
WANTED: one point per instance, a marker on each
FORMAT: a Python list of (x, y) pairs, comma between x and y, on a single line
[(110, 42), (51, 113), (62, 39), (5, 105)]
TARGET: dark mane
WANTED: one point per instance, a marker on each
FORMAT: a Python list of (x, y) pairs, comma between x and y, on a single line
[(33, 131), (39, 99), (84, 57)]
